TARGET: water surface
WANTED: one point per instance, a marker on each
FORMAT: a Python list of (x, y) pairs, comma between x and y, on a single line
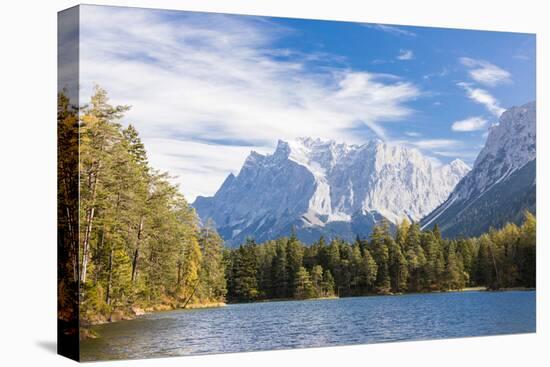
[(314, 323)]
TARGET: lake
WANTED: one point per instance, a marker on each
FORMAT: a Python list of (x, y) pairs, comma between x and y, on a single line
[(315, 323)]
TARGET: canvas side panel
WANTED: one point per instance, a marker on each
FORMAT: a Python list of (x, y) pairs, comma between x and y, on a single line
[(67, 183)]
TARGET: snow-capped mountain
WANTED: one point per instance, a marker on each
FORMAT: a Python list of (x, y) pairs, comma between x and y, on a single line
[(501, 184), (327, 188)]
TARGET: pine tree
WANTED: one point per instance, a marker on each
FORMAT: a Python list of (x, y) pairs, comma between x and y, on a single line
[(415, 258), (279, 275), (213, 282), (453, 277), (328, 284), (527, 244), (136, 148), (399, 272), (380, 253), (294, 258), (317, 280), (368, 272), (302, 285), (99, 132), (402, 233), (486, 265), (435, 260)]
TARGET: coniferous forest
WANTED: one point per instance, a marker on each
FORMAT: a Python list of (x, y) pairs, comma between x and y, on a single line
[(134, 244)]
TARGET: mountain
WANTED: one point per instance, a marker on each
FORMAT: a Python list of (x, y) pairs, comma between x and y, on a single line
[(501, 184), (327, 188)]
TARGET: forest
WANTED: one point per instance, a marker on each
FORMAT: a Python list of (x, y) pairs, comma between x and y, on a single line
[(131, 243), (138, 245), (408, 260)]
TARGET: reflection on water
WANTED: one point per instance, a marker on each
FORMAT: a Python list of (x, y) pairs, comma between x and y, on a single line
[(294, 324)]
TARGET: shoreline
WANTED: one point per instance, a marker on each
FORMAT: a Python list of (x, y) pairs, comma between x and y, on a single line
[(133, 313), (466, 289)]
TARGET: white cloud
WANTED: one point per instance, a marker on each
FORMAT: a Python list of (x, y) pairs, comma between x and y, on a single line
[(216, 80), (486, 73), (469, 124), (405, 55), (522, 57), (440, 74), (483, 97), (396, 31), (446, 148), (435, 143), (464, 155), (201, 167), (412, 134)]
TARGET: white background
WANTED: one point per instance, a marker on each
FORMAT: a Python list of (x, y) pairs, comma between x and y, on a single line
[(28, 84)]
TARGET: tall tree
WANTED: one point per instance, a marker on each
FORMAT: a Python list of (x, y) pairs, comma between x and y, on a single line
[(416, 258), (212, 277), (99, 132), (380, 252), (303, 285), (279, 272), (294, 257)]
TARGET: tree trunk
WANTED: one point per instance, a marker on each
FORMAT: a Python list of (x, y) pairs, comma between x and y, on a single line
[(100, 250), (179, 273), (136, 252), (192, 293), (494, 265), (93, 180), (111, 253), (110, 279)]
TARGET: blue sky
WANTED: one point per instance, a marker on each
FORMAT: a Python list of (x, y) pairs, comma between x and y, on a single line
[(205, 89)]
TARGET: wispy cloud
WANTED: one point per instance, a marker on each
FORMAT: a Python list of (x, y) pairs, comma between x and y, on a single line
[(217, 81), (521, 56), (440, 74), (440, 148), (412, 134), (485, 73), (465, 155), (469, 124), (396, 31), (405, 55), (200, 167), (434, 143), (483, 97)]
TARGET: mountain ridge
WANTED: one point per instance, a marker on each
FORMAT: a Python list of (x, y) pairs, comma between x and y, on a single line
[(322, 187), (506, 163)]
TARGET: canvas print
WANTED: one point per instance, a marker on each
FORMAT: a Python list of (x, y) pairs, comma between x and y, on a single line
[(235, 183)]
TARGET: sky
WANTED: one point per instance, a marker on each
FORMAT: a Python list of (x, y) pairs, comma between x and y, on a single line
[(205, 89)]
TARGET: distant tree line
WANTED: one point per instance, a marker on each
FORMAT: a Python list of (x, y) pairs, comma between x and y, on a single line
[(409, 260)]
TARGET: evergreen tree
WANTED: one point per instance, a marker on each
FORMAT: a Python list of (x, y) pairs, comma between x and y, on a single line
[(453, 277), (380, 252), (415, 258), (328, 284), (367, 272), (434, 265), (212, 279), (279, 273), (402, 233), (294, 258), (527, 248), (302, 285), (399, 272), (317, 280), (245, 283)]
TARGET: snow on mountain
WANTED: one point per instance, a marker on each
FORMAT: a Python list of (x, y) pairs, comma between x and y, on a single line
[(507, 157), (327, 188)]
